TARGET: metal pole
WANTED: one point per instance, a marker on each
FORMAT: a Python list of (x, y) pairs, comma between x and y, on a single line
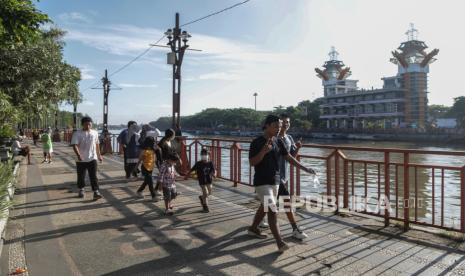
[(106, 92), (74, 116)]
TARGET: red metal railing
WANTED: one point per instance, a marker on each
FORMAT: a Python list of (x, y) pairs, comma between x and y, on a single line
[(405, 178)]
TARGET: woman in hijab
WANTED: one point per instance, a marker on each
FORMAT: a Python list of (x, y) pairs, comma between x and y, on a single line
[(130, 141)]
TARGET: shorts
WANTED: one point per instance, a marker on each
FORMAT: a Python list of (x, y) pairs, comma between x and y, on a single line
[(267, 193), (282, 191), (23, 152), (169, 193)]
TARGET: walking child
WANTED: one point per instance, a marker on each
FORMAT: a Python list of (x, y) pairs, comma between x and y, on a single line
[(167, 179), (205, 171), (47, 146), (148, 159)]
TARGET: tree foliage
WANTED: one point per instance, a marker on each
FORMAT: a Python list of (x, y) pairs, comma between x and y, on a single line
[(303, 116), (34, 78), (20, 22), (436, 111), (458, 111)]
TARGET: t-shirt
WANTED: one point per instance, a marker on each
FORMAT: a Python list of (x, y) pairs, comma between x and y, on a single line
[(148, 159), (268, 168), (87, 144), (166, 150), (16, 146), (46, 141), (291, 148), (204, 171)]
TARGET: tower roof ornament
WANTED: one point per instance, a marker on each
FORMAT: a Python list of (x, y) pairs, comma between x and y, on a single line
[(412, 33), (333, 55)]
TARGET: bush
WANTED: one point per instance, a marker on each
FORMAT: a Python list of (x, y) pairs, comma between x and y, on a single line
[(6, 178), (6, 131)]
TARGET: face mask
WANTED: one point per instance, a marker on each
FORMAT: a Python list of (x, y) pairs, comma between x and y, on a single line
[(204, 157)]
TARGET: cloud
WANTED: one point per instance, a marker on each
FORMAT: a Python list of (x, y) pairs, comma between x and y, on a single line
[(74, 17), (122, 40), (88, 103), (86, 72), (133, 85), (219, 76)]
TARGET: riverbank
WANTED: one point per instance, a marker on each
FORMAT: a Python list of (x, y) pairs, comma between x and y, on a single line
[(437, 138)]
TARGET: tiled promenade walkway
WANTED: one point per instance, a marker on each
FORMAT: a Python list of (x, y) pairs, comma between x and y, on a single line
[(56, 233)]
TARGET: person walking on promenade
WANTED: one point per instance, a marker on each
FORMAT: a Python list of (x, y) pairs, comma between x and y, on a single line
[(21, 150), (47, 145), (167, 179), (85, 144), (293, 148), (166, 146), (264, 154), (147, 158), (129, 138), (35, 136), (205, 171)]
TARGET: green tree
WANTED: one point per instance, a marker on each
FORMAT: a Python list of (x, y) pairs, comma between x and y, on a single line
[(436, 111), (458, 111), (20, 22)]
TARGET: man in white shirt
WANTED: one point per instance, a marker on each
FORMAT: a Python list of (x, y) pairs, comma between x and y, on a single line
[(21, 150), (85, 144)]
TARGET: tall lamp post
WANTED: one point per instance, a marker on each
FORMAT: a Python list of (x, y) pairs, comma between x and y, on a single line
[(255, 95), (175, 36)]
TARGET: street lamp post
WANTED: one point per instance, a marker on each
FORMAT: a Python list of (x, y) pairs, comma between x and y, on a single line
[(255, 95), (175, 36)]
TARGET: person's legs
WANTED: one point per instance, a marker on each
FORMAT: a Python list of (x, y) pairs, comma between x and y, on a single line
[(130, 170), (126, 169), (173, 195), (28, 152), (148, 179), (274, 227), (81, 174), (167, 198), (259, 215), (92, 169), (142, 187), (204, 194)]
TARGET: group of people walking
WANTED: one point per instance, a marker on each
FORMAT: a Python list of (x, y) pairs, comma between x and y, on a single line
[(269, 154)]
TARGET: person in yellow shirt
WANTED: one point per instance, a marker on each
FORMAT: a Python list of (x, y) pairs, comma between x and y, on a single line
[(148, 159)]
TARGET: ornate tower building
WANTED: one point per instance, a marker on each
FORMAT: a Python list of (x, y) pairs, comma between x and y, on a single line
[(413, 68)]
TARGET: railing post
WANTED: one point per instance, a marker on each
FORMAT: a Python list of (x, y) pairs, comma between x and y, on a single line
[(406, 192), (336, 179), (234, 163), (196, 150), (239, 163), (328, 176), (218, 154), (387, 188), (231, 163), (462, 200), (185, 163), (346, 184), (297, 178)]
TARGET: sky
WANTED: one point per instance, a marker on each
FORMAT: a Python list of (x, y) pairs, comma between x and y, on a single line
[(269, 47)]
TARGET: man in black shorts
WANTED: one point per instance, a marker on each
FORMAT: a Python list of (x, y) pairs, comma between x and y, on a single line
[(293, 148), (264, 155)]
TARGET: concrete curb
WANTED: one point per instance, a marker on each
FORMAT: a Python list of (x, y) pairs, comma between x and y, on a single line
[(4, 215)]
